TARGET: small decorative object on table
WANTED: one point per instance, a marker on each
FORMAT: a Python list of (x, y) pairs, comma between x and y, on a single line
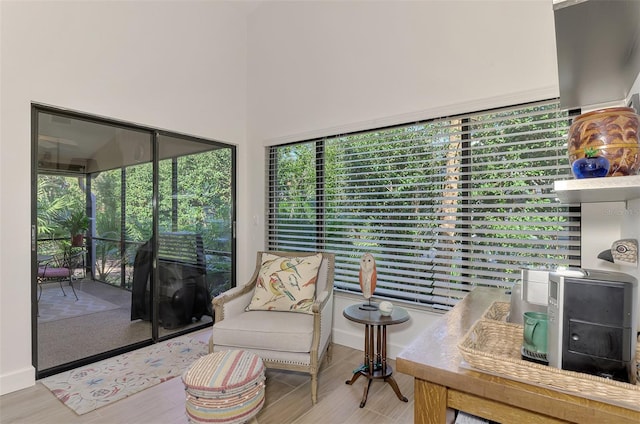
[(368, 278), (613, 134), (386, 308)]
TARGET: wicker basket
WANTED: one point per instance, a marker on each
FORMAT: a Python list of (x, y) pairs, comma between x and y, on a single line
[(494, 346), (498, 311)]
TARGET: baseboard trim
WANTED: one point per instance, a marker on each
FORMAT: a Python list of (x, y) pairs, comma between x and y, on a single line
[(17, 380)]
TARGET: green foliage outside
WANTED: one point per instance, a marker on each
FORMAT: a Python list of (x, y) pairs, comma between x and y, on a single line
[(59, 198), (204, 205)]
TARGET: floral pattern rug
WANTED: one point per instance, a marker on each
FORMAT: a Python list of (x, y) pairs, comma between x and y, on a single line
[(96, 385)]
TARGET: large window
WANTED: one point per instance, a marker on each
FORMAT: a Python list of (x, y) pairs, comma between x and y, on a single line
[(443, 205)]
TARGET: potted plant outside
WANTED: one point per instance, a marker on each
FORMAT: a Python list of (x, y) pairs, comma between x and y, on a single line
[(77, 223)]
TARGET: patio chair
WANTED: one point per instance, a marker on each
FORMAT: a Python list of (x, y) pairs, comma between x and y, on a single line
[(60, 268), (275, 317)]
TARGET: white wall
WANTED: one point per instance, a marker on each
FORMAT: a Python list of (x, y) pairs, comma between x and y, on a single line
[(318, 67), (321, 68), (179, 66)]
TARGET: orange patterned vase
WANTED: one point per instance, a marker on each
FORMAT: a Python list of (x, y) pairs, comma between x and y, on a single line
[(613, 133)]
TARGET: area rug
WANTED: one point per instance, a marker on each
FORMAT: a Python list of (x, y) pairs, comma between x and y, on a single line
[(94, 386), (54, 305)]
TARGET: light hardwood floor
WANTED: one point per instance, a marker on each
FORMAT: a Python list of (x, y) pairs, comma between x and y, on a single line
[(288, 400)]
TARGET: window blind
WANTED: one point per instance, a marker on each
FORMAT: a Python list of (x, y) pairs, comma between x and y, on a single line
[(443, 205)]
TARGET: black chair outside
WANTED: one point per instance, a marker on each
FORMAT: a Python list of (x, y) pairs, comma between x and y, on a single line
[(60, 268), (183, 291)]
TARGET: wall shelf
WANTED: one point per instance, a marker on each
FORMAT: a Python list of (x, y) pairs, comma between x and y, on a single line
[(594, 190)]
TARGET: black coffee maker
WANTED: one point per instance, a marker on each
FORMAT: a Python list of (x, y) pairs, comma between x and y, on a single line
[(593, 324)]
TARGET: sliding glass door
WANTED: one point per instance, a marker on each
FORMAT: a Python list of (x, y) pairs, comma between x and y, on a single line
[(195, 221), (132, 236)]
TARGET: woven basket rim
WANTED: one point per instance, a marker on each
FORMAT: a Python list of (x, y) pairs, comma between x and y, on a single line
[(498, 311), (563, 380)]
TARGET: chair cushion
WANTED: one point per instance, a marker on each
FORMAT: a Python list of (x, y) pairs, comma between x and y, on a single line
[(54, 272), (286, 284), (277, 331)]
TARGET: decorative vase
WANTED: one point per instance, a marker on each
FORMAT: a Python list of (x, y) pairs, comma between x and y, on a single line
[(590, 167), (613, 133)]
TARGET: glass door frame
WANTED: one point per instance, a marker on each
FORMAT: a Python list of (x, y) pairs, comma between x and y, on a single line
[(154, 133)]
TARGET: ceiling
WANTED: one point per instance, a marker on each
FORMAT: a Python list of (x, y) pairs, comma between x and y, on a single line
[(72, 144)]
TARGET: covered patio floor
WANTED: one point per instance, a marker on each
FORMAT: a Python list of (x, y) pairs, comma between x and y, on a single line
[(99, 321)]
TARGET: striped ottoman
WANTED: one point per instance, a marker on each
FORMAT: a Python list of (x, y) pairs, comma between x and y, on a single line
[(224, 387)]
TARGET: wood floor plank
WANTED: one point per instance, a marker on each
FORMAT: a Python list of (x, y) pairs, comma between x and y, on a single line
[(344, 401), (35, 404)]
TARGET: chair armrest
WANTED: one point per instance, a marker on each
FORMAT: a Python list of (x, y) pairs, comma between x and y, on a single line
[(232, 302), (321, 301), (323, 323)]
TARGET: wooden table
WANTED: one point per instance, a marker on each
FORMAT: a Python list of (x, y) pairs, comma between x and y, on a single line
[(375, 346), (441, 381)]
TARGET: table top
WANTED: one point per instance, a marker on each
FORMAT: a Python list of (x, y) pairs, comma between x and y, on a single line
[(434, 357), (364, 316)]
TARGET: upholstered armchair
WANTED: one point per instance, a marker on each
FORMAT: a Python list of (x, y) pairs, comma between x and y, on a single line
[(294, 336)]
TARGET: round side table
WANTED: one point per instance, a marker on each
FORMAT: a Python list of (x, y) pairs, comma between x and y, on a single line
[(375, 346)]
